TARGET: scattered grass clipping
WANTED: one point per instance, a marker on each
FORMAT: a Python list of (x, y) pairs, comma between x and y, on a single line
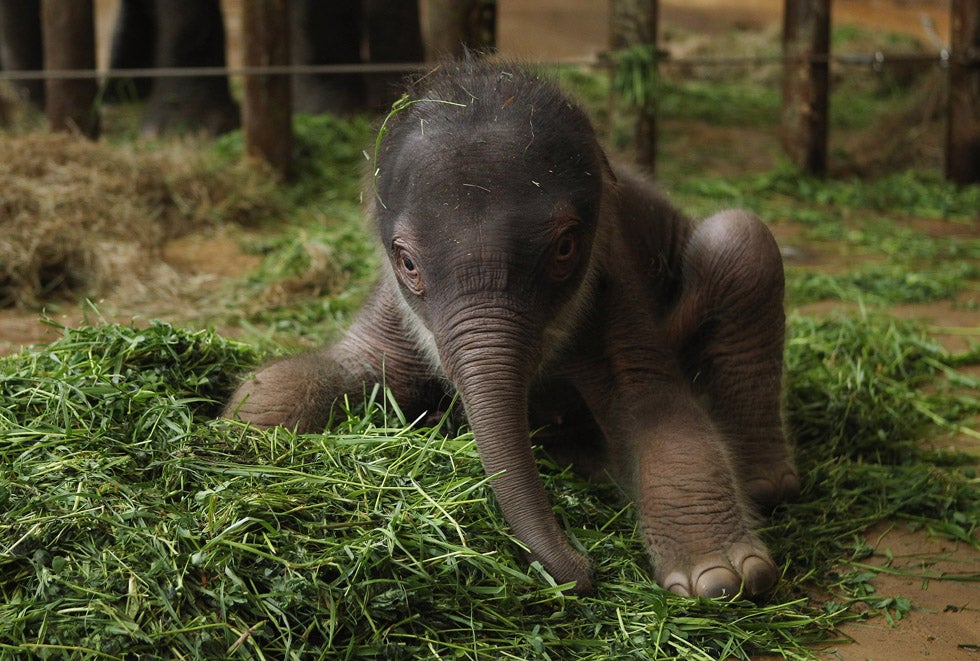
[(135, 523)]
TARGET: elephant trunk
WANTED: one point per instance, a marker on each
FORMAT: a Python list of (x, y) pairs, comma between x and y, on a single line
[(491, 361)]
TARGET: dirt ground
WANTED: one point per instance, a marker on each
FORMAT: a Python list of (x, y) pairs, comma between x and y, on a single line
[(945, 622)]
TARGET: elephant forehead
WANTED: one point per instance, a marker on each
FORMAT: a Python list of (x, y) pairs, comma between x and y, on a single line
[(484, 185), (466, 185), (486, 154), (468, 161)]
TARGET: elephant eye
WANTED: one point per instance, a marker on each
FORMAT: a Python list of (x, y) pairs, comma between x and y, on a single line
[(566, 247), (406, 269), (565, 255)]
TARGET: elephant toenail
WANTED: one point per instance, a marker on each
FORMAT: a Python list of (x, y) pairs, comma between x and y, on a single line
[(760, 575), (717, 582), (677, 583)]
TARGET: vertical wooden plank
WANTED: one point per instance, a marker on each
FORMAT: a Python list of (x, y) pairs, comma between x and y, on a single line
[(963, 112), (267, 108), (632, 24), (806, 83), (68, 33)]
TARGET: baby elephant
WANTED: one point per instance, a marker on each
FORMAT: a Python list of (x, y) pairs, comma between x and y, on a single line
[(545, 284)]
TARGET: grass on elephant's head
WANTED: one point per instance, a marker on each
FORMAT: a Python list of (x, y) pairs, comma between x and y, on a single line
[(135, 522)]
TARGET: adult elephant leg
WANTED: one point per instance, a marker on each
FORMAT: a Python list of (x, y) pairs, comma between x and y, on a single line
[(327, 33), (133, 46), (190, 33), (731, 325), (394, 35), (20, 45)]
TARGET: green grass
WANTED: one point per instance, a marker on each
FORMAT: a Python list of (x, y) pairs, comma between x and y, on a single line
[(888, 284), (329, 159), (313, 277), (135, 523), (719, 103), (918, 193)]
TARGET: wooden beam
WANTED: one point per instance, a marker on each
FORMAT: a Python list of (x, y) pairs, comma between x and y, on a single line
[(633, 23)]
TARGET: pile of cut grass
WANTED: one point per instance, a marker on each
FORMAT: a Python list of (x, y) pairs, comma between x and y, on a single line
[(136, 524)]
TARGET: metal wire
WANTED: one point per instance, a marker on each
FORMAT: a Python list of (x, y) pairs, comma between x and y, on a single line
[(876, 61)]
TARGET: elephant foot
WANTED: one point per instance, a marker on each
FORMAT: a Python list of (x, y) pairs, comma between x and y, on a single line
[(253, 406), (779, 483), (743, 568), (180, 105), (286, 393)]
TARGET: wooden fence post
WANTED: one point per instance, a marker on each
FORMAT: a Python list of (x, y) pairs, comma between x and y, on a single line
[(806, 82), (963, 112), (68, 29), (267, 107), (633, 23)]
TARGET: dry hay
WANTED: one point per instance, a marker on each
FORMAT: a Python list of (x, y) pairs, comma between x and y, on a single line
[(79, 218)]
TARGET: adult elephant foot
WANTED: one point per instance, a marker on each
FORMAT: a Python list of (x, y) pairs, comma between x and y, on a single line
[(186, 105)]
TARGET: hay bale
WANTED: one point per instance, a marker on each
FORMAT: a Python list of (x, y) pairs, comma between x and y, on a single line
[(79, 218)]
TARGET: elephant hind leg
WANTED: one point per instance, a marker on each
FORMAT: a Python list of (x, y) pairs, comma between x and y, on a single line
[(730, 326)]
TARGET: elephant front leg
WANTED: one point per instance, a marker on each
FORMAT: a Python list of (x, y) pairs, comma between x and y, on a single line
[(694, 519), (301, 392)]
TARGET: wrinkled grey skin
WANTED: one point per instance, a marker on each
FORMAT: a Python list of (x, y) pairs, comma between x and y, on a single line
[(530, 275)]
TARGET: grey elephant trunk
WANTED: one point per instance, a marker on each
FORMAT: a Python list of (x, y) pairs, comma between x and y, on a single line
[(492, 365)]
